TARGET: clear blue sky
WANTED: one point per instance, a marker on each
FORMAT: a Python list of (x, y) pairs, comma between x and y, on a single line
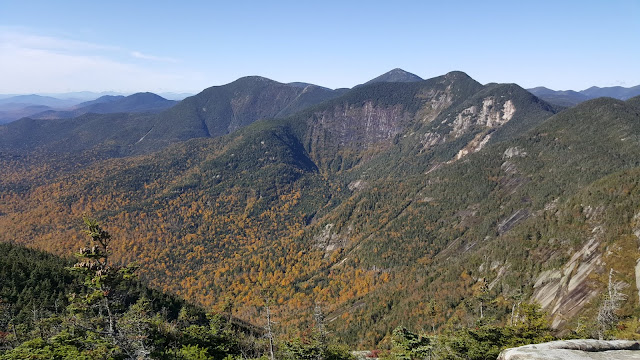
[(59, 46)]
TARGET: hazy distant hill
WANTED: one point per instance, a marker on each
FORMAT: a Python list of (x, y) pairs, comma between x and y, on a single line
[(101, 100), (565, 98), (139, 102), (570, 98), (11, 112), (82, 95), (15, 107), (108, 104), (616, 92), (175, 96), (39, 100), (68, 105)]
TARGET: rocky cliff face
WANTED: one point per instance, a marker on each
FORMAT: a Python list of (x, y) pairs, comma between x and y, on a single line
[(490, 115), (564, 291), (353, 131), (362, 124), (496, 109)]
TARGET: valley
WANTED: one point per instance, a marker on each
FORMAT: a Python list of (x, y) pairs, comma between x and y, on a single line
[(429, 204)]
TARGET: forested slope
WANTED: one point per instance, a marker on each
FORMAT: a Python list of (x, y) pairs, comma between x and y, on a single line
[(458, 189)]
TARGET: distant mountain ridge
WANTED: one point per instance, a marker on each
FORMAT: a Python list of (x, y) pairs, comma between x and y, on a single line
[(108, 104), (91, 95), (39, 100), (58, 108), (220, 110), (18, 106), (66, 105), (100, 100), (616, 92), (570, 98)]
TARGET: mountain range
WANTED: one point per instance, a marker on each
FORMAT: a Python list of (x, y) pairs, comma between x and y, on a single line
[(569, 98), (424, 203), (108, 104), (46, 107), (68, 105), (16, 107)]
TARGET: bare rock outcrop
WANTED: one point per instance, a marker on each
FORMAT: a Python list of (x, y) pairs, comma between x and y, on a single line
[(490, 116), (563, 292), (575, 350)]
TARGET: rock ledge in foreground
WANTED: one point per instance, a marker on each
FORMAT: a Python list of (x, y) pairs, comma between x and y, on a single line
[(575, 350)]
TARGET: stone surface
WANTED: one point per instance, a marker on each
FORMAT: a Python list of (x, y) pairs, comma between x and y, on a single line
[(564, 291), (490, 116), (575, 350), (514, 151)]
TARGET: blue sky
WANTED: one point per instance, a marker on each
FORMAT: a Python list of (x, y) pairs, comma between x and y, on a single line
[(128, 46)]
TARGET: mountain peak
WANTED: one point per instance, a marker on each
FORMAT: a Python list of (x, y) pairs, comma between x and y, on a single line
[(146, 96), (456, 74), (252, 79), (396, 75)]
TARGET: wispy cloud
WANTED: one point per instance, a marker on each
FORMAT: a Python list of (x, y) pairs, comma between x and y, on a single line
[(139, 55), (33, 63), (39, 42)]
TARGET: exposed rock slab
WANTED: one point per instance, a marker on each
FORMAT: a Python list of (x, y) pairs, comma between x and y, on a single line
[(564, 291), (575, 350)]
